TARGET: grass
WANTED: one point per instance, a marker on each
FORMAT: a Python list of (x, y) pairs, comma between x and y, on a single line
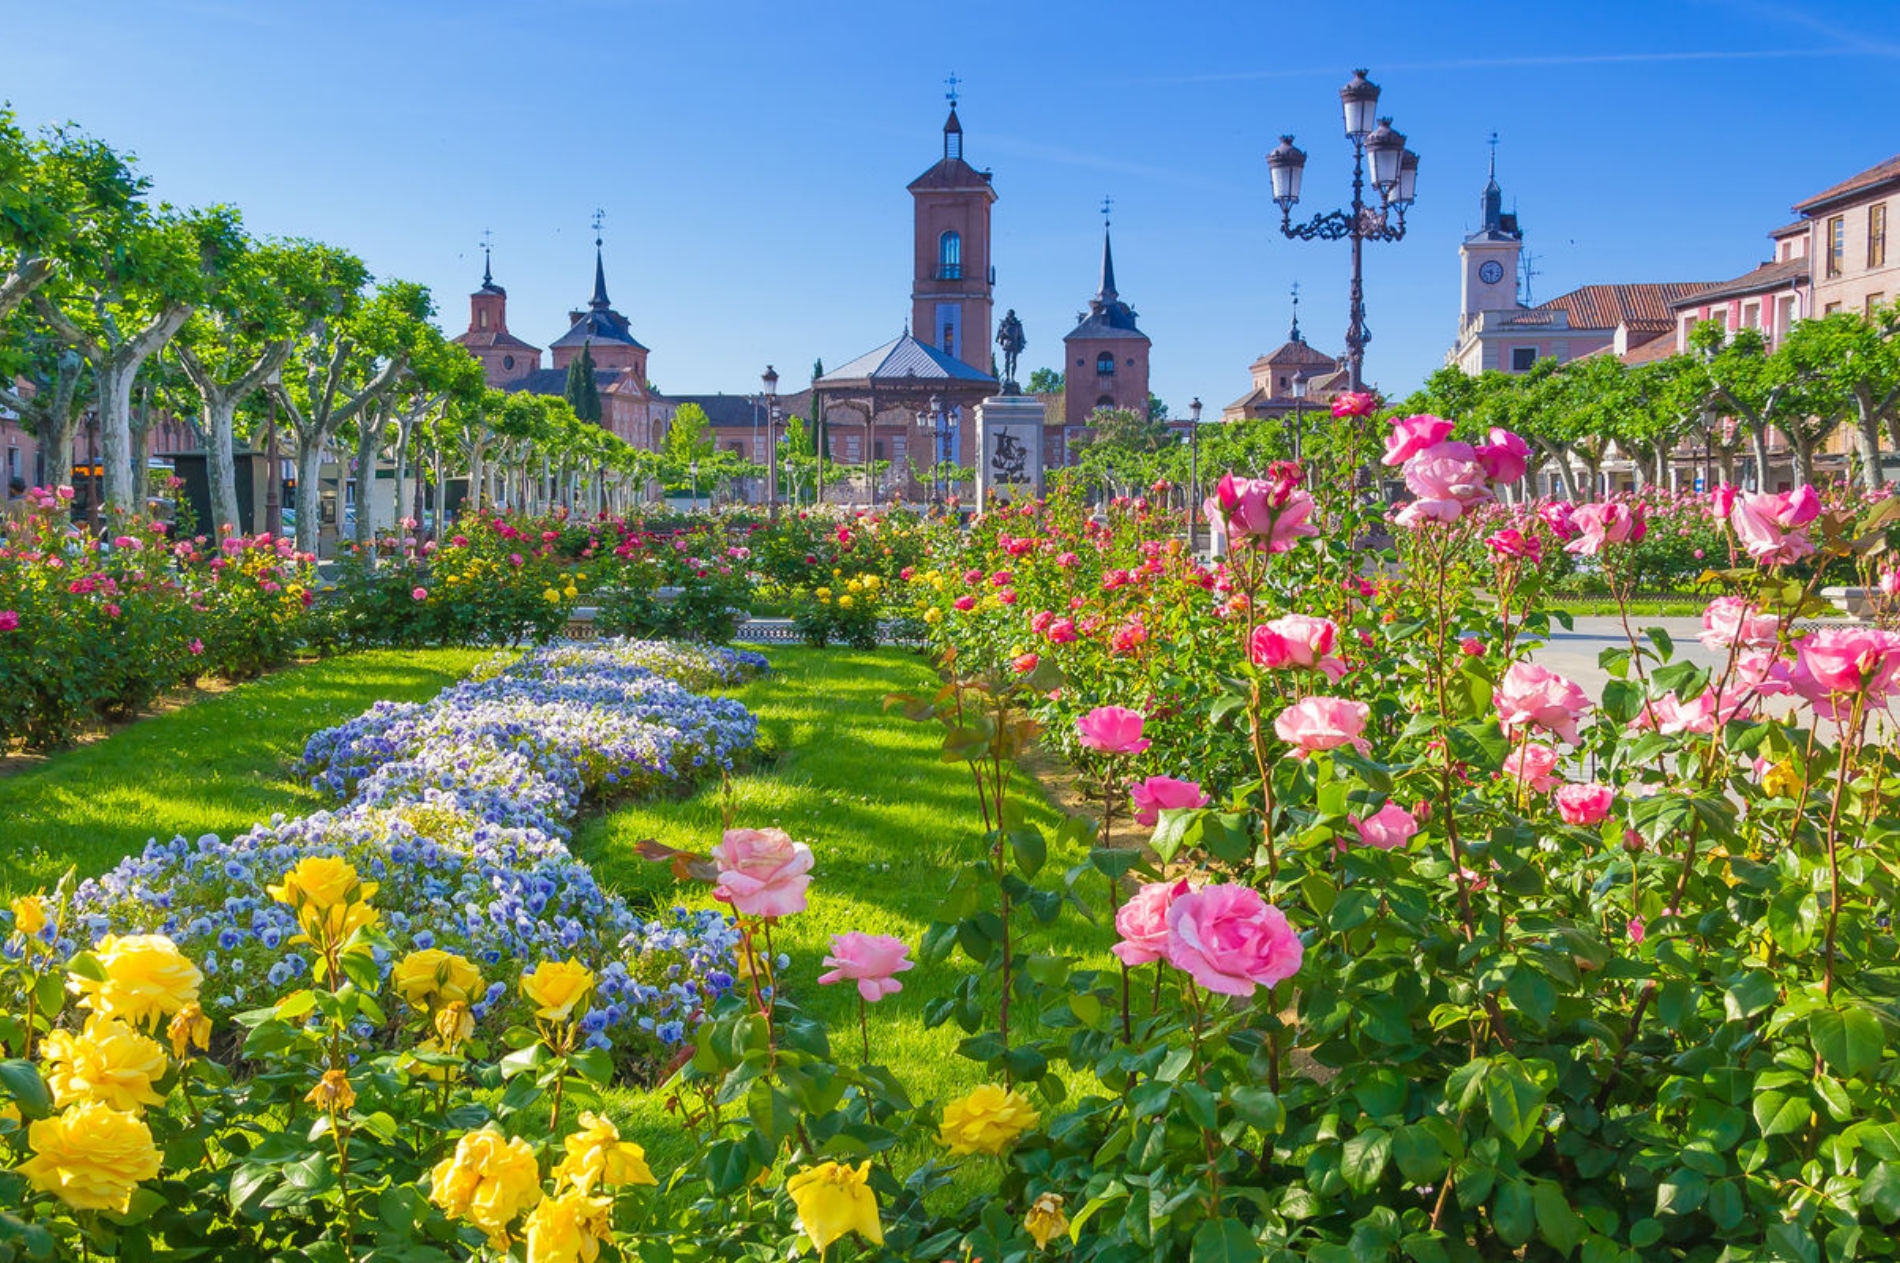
[(218, 764), (887, 820), (1603, 606)]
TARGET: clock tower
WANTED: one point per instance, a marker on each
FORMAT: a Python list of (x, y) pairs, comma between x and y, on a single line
[(1490, 255)]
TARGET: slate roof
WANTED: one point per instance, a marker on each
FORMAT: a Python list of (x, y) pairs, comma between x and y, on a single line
[(602, 324), (902, 360), (493, 337), (1873, 177), (1764, 278), (1108, 316), (553, 381), (1645, 305), (1298, 353), (727, 412)]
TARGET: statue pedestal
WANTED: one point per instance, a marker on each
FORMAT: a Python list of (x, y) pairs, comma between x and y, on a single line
[(1009, 449)]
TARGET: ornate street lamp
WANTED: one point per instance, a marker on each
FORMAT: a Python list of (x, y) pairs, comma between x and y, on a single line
[(1299, 411), (1394, 174), (770, 378)]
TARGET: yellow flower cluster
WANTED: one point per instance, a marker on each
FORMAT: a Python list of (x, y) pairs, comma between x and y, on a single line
[(557, 988), (568, 1228), (146, 978), (988, 1120), (330, 900), (598, 1158), (490, 1179), (833, 1199), (108, 1062), (91, 1156), (431, 977)]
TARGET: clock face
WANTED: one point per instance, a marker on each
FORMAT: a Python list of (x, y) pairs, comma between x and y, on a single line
[(1491, 272)]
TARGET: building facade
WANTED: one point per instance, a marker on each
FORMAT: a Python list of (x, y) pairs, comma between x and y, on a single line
[(1849, 233), (1105, 357), (953, 278)]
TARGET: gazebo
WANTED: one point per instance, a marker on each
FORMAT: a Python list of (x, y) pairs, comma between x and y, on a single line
[(916, 378)]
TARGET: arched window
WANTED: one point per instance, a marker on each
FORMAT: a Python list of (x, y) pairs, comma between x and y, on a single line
[(507, 361), (949, 257), (1106, 401), (1105, 365)]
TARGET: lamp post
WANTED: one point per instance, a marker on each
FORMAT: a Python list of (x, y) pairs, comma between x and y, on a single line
[(1299, 412), (934, 421), (1194, 474), (1394, 174), (770, 378), (692, 467)]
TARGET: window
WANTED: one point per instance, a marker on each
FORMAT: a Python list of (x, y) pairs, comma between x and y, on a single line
[(949, 257), (507, 361), (1836, 244), (1751, 315), (1106, 401), (899, 446), (484, 318), (852, 446), (877, 450), (1830, 309), (1784, 314), (1522, 357), (1105, 365), (1873, 301), (1877, 236), (950, 339)]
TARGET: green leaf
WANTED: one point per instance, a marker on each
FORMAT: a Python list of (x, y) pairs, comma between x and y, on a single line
[(1362, 1163), (1259, 1109), (1754, 992), (1849, 1039), (1622, 700), (1513, 1101), (1224, 1241), (1682, 1193), (1778, 1113), (594, 1064), (1030, 848), (1514, 1213), (1557, 1223), (23, 1083), (1420, 1157)]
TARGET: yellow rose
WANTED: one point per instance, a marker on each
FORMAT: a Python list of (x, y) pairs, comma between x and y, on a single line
[(428, 977), (872, 582), (29, 915), (189, 1026), (487, 1182), (933, 615), (320, 882), (108, 1062), (822, 593), (833, 1200), (454, 1023), (90, 1156), (147, 977), (568, 1228), (988, 1120), (854, 586), (333, 1092), (598, 1158), (556, 987), (571, 591), (1045, 1220), (1781, 780), (550, 596), (845, 602)]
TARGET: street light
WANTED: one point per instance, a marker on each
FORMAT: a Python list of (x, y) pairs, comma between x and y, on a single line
[(692, 467), (934, 421), (1194, 473), (1394, 174), (770, 378), (1299, 411)]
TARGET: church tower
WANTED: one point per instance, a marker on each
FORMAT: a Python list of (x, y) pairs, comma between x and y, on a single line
[(505, 358), (1490, 255), (953, 280), (1105, 355)]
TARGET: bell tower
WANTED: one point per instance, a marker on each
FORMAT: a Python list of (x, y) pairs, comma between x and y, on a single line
[(953, 282), (1490, 256)]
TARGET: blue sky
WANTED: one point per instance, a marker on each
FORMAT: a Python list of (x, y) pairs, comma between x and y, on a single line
[(752, 157)]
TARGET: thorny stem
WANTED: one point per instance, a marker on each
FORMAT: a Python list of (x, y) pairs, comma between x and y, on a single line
[(1209, 1140), (1850, 746), (1110, 792)]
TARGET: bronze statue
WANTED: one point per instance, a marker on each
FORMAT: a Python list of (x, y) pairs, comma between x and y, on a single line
[(1009, 336)]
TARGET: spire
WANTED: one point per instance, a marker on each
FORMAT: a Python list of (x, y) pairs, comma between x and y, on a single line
[(488, 273), (599, 301), (1493, 195), (1294, 336), (952, 130), (1106, 294)]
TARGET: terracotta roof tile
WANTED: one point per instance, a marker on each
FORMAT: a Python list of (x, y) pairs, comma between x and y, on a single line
[(1874, 176), (1765, 277), (1645, 304)]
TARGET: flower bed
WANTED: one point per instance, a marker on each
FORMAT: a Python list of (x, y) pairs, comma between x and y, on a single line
[(460, 809)]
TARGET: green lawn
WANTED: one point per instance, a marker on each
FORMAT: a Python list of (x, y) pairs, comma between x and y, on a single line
[(887, 820), (216, 765)]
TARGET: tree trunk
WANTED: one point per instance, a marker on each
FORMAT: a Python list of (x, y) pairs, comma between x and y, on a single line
[(309, 496), (1758, 443), (220, 423), (1867, 431), (1801, 447), (365, 533)]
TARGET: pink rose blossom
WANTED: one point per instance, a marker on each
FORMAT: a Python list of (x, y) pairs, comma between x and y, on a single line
[(1584, 804), (1535, 697), (1768, 524), (1270, 509), (1297, 641), (1731, 620), (1143, 922), (762, 872), (1560, 517), (870, 960), (1530, 765), (1413, 435), (1324, 723), (1113, 730), (1447, 479), (1471, 647), (420, 594), (1023, 664), (1354, 403), (1513, 543), (9, 620), (965, 603), (1062, 631), (1505, 457), (1834, 663), (1388, 828), (1636, 930), (1230, 940), (1599, 525), (1163, 793)]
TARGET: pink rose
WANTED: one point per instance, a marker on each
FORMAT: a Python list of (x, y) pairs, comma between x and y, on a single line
[(1297, 641), (1559, 516), (1025, 663), (1722, 499), (870, 960), (1062, 631), (9, 620), (420, 594), (1530, 765), (1532, 696), (1413, 435), (1471, 647), (1600, 525), (965, 603), (1354, 403), (1513, 543), (1388, 828), (1230, 940), (1324, 723), (1584, 804), (762, 872), (1636, 930), (196, 647), (1767, 524), (1163, 793), (1113, 730), (1842, 661), (1730, 620), (1143, 922), (1270, 509), (1505, 457), (1447, 472)]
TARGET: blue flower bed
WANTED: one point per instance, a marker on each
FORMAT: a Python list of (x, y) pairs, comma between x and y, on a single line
[(460, 809)]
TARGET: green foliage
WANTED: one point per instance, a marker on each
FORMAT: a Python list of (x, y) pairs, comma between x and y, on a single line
[(581, 393), (1045, 381)]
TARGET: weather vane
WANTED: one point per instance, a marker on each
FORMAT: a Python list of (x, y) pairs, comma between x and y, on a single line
[(951, 95), (600, 217), (1108, 205), (1494, 153)]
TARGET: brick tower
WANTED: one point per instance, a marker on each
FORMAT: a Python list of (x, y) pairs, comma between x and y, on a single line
[(950, 295), (505, 358), (1105, 355)]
